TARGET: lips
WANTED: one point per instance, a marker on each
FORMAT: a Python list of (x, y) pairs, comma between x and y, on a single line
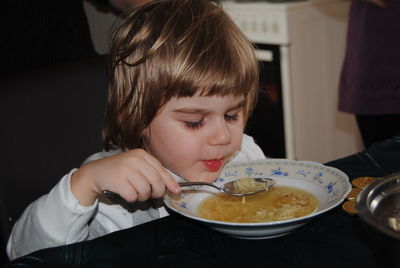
[(213, 164)]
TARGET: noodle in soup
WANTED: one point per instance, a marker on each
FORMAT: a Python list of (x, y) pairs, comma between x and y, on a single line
[(278, 204)]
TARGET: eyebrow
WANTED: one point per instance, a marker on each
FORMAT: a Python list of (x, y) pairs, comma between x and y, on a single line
[(200, 110)]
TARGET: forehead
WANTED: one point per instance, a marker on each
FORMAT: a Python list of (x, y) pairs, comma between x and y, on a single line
[(206, 103)]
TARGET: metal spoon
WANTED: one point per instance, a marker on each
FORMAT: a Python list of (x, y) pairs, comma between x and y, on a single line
[(231, 189), (227, 188)]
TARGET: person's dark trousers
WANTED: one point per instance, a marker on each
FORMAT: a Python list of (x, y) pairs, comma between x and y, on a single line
[(377, 128)]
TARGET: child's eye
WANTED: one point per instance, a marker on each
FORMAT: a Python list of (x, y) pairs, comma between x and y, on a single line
[(231, 117), (194, 124)]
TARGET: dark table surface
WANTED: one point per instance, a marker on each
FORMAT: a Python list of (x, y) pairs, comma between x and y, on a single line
[(335, 239)]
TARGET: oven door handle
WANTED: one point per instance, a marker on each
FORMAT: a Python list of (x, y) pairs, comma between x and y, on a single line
[(264, 55)]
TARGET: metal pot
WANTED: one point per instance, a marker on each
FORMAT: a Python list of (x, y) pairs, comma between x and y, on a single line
[(379, 205)]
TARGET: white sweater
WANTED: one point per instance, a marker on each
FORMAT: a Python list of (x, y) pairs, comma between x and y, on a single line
[(57, 218)]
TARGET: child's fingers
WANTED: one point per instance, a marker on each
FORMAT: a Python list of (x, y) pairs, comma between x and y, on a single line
[(142, 187), (167, 178), (171, 183), (149, 183), (128, 193)]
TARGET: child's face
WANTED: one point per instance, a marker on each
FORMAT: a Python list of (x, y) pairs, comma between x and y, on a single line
[(195, 136)]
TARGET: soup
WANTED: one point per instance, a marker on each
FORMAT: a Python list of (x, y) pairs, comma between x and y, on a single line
[(278, 204)]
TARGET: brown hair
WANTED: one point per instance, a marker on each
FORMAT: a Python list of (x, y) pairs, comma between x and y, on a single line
[(173, 48)]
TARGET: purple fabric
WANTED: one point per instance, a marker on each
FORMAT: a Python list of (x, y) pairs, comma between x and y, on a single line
[(370, 78)]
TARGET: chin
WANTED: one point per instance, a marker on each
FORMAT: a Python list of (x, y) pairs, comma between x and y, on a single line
[(200, 174), (209, 176)]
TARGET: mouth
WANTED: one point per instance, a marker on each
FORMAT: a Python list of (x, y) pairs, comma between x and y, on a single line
[(213, 164)]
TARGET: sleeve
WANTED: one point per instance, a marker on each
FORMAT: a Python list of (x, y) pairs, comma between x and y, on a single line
[(249, 150), (101, 155), (52, 220)]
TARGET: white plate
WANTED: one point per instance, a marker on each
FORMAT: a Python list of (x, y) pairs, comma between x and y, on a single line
[(329, 185)]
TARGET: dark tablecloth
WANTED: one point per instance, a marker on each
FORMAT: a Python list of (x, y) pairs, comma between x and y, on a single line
[(335, 239)]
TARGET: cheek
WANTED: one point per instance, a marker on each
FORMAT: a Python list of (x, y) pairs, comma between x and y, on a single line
[(237, 135), (173, 147), (184, 154), (184, 147), (237, 141)]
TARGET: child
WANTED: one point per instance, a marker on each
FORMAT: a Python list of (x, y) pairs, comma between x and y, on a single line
[(183, 81)]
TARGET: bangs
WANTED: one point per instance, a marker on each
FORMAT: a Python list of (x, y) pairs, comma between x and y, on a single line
[(202, 59), (197, 50), (213, 75)]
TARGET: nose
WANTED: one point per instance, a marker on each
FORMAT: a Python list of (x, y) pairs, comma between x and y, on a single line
[(220, 134)]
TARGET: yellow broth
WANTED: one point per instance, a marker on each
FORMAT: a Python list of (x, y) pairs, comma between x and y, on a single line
[(277, 204)]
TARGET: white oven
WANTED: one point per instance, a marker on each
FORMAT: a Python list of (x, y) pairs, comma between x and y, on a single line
[(267, 123), (301, 47)]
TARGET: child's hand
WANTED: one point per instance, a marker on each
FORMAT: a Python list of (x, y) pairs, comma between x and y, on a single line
[(134, 175)]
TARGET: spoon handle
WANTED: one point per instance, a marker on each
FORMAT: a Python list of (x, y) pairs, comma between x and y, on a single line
[(182, 184), (194, 183)]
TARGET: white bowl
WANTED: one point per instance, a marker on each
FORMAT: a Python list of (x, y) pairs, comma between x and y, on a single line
[(329, 185)]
